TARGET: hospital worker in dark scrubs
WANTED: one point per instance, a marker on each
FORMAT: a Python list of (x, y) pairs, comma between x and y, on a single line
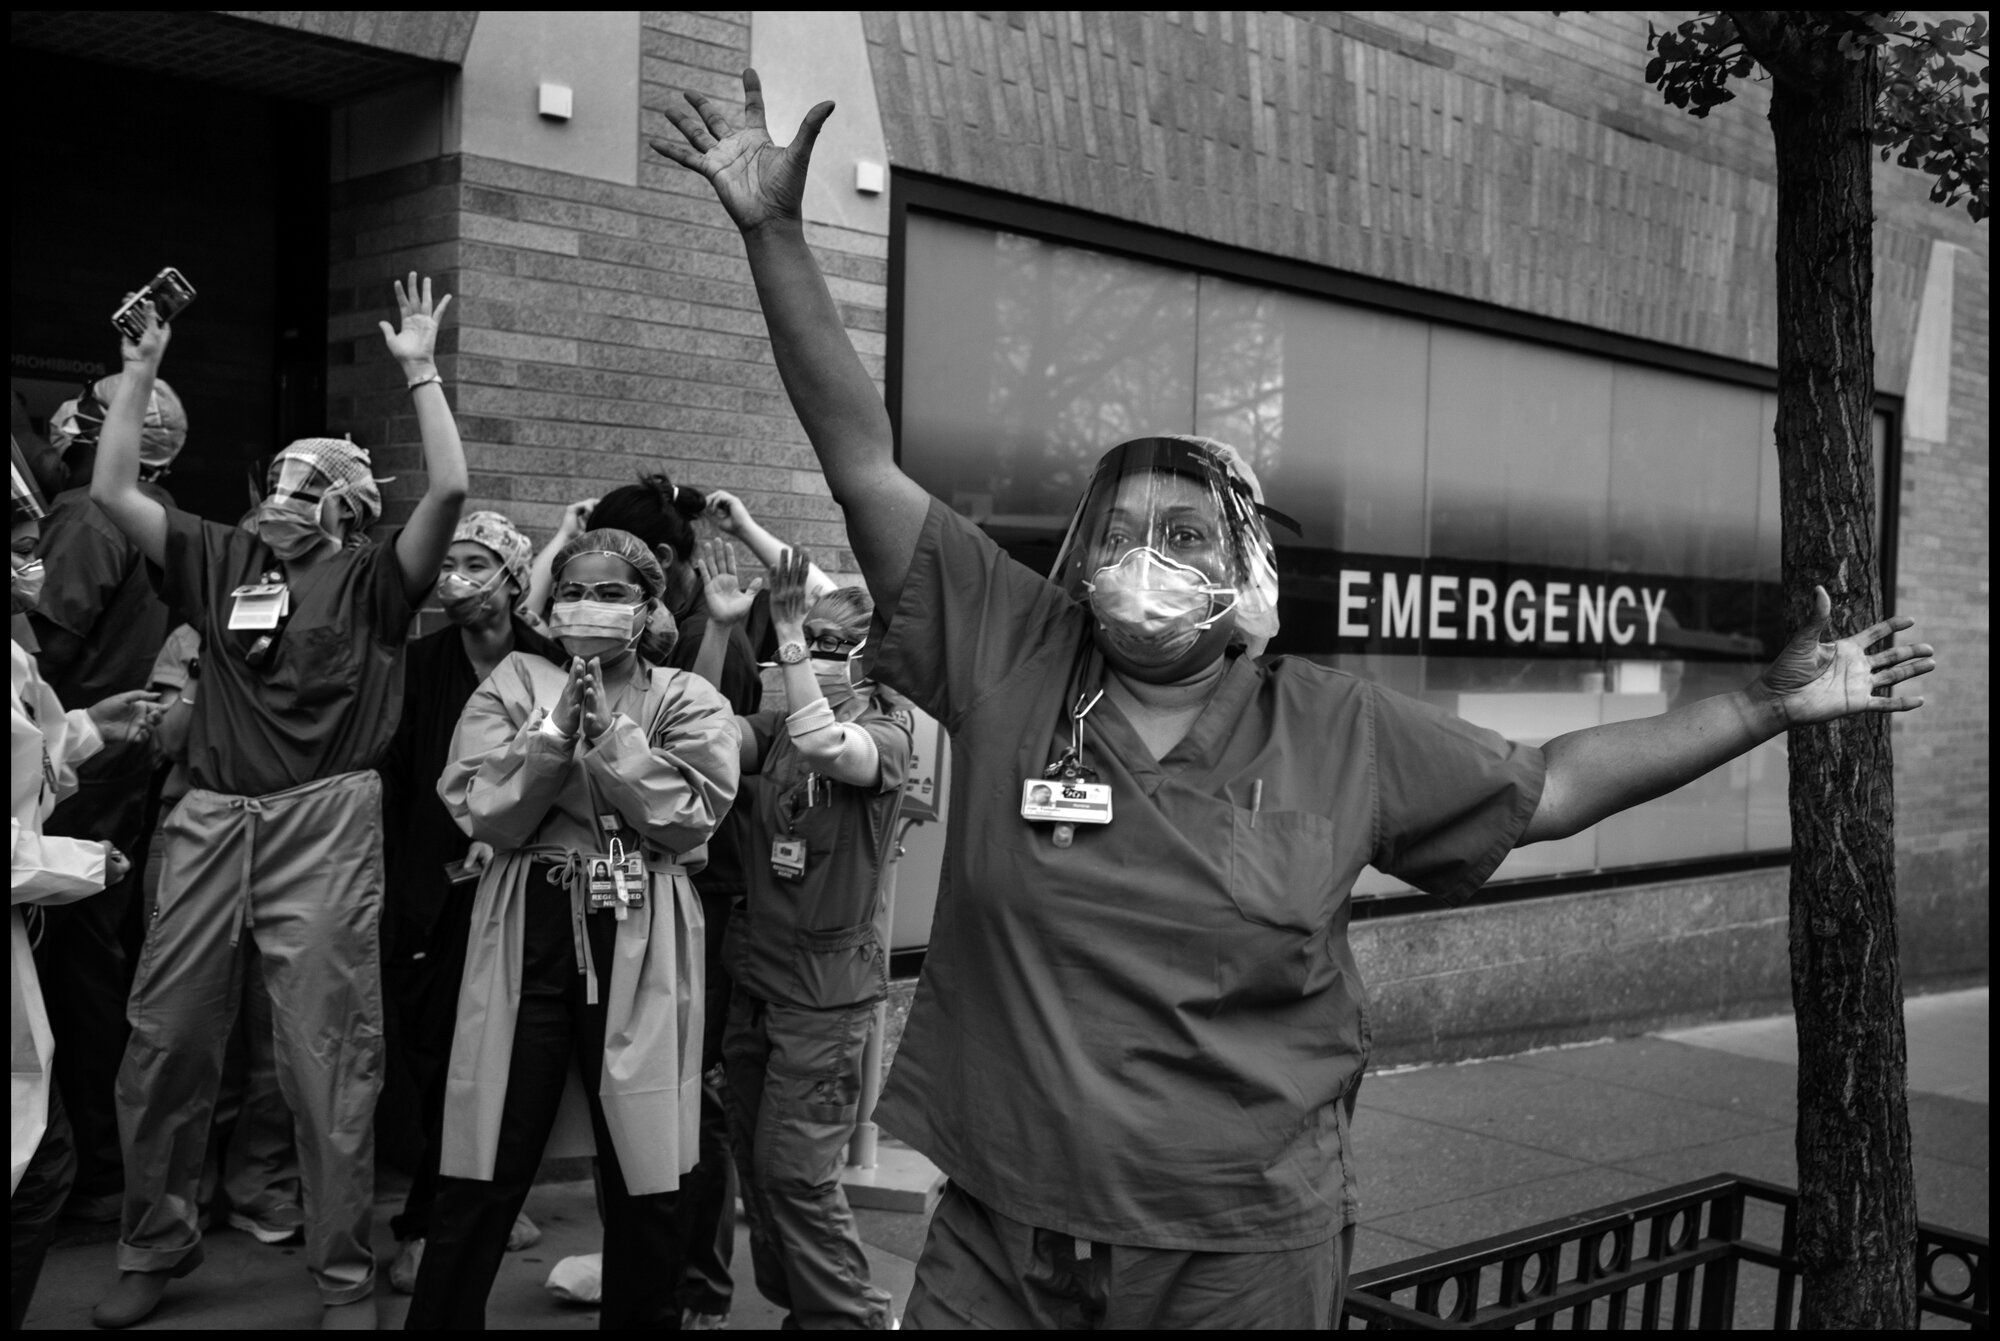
[(274, 856), (1139, 1031), (808, 943)]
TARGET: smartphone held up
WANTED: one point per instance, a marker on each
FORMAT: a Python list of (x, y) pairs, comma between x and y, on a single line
[(168, 292)]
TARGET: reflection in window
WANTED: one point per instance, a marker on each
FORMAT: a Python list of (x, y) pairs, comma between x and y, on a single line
[(1396, 442)]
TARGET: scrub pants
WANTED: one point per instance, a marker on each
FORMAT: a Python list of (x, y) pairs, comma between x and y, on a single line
[(556, 1029), (794, 1097), (290, 886), (252, 1159), (980, 1269), (45, 1184)]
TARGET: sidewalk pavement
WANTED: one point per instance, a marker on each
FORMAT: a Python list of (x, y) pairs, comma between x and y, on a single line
[(1447, 1154)]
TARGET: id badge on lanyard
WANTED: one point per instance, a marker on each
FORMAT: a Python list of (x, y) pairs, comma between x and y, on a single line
[(1068, 792), (617, 878)]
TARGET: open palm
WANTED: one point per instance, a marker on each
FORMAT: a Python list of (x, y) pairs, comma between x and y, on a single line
[(728, 602), (418, 337), (757, 182), (1817, 680)]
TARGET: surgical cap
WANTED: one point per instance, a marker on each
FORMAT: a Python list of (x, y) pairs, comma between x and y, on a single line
[(313, 468), (161, 436), (495, 532), (619, 545), (848, 609)]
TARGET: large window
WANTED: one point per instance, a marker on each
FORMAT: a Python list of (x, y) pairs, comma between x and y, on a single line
[(1534, 537)]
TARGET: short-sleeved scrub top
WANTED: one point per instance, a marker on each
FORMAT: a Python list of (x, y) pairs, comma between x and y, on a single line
[(819, 940), (1149, 1037), (328, 701)]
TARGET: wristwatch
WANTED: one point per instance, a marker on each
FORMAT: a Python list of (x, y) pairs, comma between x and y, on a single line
[(792, 653)]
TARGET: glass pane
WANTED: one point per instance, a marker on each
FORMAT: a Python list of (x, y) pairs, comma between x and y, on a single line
[(1327, 402), (1023, 361), (1519, 466)]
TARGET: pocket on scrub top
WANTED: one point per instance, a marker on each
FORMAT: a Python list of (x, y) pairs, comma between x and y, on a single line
[(1281, 868), (319, 664), (840, 967)]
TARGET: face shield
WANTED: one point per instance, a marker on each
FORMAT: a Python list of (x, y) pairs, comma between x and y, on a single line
[(1170, 551)]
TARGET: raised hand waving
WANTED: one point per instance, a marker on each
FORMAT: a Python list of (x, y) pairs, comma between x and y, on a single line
[(758, 182)]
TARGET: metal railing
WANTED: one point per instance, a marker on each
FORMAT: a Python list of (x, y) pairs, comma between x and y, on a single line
[(1682, 1257)]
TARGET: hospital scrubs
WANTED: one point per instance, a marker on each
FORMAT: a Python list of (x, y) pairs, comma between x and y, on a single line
[(809, 956), (1148, 1042), (273, 866)]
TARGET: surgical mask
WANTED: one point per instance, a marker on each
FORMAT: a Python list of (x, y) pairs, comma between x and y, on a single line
[(291, 532), (835, 671), (1152, 609), (465, 600), (596, 628), (28, 579), (660, 635)]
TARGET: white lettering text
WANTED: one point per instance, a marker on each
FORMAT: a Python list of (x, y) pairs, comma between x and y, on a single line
[(1621, 634), (1553, 609), (1399, 612), (1520, 624), (1443, 604), (1480, 597), (1350, 600)]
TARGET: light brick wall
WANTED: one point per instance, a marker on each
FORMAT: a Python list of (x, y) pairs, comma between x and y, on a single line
[(599, 329)]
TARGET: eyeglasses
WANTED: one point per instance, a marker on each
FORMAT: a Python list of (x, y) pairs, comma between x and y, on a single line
[(612, 593), (832, 644)]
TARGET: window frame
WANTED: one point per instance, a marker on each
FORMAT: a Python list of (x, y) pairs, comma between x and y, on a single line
[(980, 206)]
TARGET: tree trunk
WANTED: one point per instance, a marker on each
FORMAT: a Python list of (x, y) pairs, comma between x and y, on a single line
[(1857, 1216)]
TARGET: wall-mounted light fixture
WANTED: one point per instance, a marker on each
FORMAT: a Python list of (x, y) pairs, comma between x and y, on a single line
[(870, 178), (555, 101)]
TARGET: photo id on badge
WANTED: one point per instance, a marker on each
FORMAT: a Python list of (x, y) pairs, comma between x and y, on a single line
[(788, 858), (259, 605), (1066, 802)]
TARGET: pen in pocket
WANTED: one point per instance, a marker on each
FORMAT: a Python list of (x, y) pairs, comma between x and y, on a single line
[(1256, 800)]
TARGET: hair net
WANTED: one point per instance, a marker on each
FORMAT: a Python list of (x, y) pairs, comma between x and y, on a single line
[(619, 545), (848, 609), (1193, 501), (495, 532), (161, 436), (314, 468)]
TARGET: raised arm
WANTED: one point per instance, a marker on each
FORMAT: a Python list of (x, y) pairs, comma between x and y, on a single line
[(762, 187), (1601, 770), (421, 544), (541, 573), (729, 516), (114, 481)]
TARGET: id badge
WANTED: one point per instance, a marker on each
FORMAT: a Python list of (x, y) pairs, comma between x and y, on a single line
[(618, 881), (788, 858), (1064, 802), (259, 605)]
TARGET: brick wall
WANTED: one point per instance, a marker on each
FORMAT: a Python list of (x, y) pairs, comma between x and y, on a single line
[(600, 329)]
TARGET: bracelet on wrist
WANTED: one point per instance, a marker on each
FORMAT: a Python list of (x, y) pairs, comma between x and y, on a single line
[(427, 379)]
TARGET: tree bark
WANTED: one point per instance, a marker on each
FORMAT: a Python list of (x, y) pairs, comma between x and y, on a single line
[(1857, 1214)]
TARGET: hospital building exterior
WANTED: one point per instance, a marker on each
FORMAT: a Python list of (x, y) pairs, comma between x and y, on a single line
[(1494, 325)]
